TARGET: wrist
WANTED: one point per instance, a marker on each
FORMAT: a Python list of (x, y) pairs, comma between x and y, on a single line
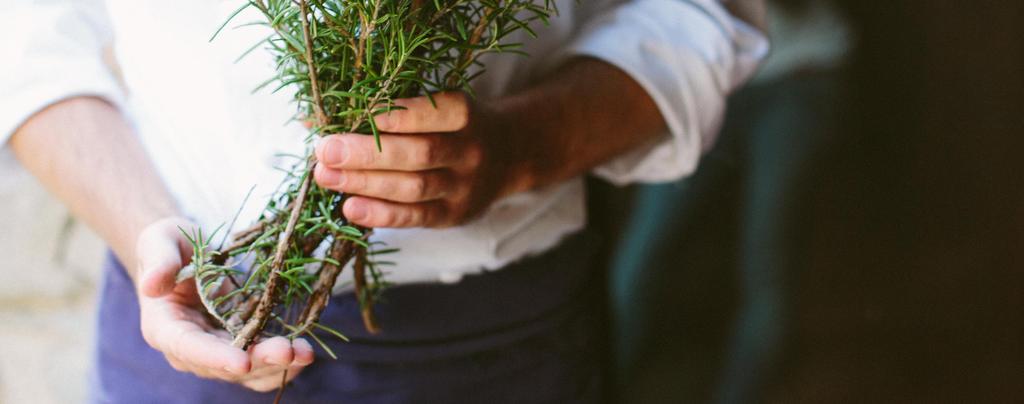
[(533, 142), (515, 146)]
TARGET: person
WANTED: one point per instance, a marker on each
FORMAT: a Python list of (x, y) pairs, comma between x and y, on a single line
[(483, 196)]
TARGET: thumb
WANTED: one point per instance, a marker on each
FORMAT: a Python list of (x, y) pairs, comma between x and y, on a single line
[(159, 255)]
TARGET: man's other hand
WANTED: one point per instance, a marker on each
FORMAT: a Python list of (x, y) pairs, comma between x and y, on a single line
[(439, 165), (173, 322)]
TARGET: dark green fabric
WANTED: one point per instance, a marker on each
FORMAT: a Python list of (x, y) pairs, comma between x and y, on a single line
[(698, 280)]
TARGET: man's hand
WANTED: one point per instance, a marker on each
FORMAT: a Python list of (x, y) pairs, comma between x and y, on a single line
[(123, 199), (441, 166), (436, 167), (173, 322)]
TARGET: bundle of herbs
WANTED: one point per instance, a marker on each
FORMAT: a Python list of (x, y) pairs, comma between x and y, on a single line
[(346, 61)]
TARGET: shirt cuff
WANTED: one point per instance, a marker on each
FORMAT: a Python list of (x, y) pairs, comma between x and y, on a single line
[(35, 91), (688, 56), (57, 48)]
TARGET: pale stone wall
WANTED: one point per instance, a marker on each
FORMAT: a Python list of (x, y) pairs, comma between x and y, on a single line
[(49, 268)]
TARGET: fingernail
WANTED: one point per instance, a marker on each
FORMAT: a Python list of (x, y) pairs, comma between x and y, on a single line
[(303, 344), (333, 152), (356, 211)]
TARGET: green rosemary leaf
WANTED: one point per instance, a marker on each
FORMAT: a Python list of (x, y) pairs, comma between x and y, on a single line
[(228, 20)]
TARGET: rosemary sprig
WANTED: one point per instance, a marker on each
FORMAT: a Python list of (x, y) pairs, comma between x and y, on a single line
[(345, 61)]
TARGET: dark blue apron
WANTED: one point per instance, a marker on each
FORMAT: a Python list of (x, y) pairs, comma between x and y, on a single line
[(529, 333)]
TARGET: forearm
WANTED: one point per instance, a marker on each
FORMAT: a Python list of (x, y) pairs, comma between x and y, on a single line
[(85, 153), (583, 115)]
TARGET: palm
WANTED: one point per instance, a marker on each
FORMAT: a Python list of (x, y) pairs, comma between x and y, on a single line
[(185, 311), (174, 322)]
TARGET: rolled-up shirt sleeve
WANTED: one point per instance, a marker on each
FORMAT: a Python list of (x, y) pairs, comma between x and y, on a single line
[(53, 50), (688, 55)]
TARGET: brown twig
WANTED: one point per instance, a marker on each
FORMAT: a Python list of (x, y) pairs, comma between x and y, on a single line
[(441, 12), (474, 39), (310, 243), (241, 312), (280, 389), (242, 240), (365, 30), (364, 295), (255, 315), (255, 324), (341, 252), (318, 103), (326, 281)]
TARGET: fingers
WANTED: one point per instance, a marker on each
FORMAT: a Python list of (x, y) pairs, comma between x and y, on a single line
[(448, 113), (268, 367), (275, 354), (179, 331), (160, 254), (200, 349), (273, 351), (201, 371), (397, 152), (372, 212), (271, 381), (264, 378), (421, 176), (303, 352), (159, 261), (263, 371), (397, 186), (429, 149)]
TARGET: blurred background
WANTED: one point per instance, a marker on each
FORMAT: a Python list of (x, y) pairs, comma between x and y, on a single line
[(857, 234), (50, 270)]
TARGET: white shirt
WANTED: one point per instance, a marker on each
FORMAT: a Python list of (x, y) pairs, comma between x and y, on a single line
[(213, 139)]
